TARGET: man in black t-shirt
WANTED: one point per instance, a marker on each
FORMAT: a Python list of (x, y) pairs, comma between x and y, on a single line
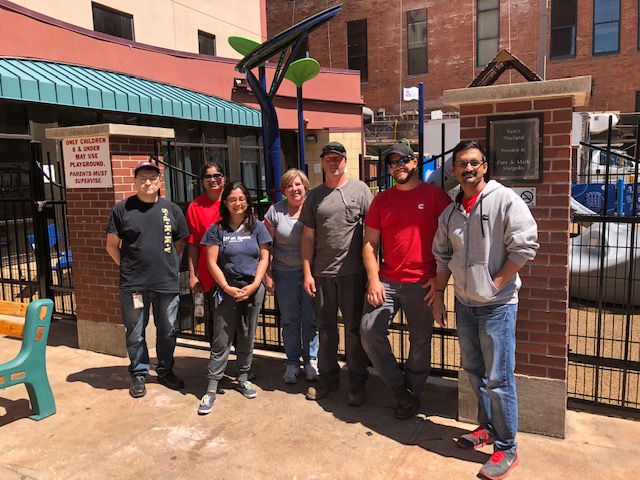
[(145, 237)]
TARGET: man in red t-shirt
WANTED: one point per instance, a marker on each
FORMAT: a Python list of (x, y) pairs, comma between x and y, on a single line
[(405, 219)]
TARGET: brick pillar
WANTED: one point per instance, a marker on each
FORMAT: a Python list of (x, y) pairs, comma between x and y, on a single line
[(95, 275), (543, 315)]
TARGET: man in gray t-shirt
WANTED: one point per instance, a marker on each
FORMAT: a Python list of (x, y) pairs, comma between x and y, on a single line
[(333, 271)]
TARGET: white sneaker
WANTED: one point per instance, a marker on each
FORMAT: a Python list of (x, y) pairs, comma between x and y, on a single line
[(291, 374), (311, 370)]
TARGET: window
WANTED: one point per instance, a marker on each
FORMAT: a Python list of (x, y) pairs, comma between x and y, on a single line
[(488, 35), (303, 51), (14, 119), (417, 42), (206, 43), (606, 26), (357, 48), (112, 22), (564, 15)]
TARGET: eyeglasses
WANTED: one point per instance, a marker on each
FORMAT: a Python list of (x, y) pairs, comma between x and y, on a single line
[(152, 178), (473, 163), (213, 176), (237, 200), (401, 162), (333, 158)]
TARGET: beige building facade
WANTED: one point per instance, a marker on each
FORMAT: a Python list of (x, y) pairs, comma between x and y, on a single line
[(170, 24)]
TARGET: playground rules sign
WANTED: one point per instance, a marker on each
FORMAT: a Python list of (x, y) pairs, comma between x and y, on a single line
[(87, 162)]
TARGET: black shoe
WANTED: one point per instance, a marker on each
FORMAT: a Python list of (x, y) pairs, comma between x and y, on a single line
[(170, 380), (403, 412), (408, 404), (137, 388), (322, 389), (357, 395)]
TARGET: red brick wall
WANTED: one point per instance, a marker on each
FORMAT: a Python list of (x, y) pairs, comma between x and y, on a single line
[(614, 75), (95, 275), (451, 48), (543, 312)]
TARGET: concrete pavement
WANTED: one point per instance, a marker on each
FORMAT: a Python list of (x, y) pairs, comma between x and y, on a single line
[(100, 432)]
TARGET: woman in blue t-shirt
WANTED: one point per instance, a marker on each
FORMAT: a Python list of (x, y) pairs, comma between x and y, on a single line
[(237, 256)]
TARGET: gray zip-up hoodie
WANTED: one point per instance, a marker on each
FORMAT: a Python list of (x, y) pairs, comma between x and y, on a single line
[(474, 247)]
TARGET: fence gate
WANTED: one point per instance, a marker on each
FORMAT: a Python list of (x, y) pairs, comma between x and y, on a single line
[(604, 324), (35, 257)]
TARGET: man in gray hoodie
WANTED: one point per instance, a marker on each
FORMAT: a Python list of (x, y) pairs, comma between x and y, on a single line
[(483, 239)]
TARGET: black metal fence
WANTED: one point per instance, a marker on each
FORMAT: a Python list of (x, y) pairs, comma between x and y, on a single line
[(604, 324), (445, 355), (35, 257)]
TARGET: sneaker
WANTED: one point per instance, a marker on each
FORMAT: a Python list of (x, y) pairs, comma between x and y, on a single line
[(248, 390), (137, 388), (291, 374), (357, 395), (476, 439), (499, 465), (171, 380), (206, 404), (311, 370), (322, 389)]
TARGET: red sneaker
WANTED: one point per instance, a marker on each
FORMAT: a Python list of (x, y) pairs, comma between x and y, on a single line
[(476, 439), (499, 465)]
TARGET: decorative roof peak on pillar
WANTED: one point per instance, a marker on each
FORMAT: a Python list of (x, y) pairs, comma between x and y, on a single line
[(502, 62)]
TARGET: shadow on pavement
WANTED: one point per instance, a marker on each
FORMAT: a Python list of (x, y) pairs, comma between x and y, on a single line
[(439, 399), (16, 409)]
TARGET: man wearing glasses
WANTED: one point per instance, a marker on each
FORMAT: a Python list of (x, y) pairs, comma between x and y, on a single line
[(404, 219), (145, 237), (333, 271), (483, 240)]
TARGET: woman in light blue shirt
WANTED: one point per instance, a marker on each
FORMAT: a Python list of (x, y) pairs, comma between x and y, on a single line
[(284, 277)]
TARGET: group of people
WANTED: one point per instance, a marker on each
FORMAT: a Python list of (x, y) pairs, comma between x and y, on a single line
[(318, 251)]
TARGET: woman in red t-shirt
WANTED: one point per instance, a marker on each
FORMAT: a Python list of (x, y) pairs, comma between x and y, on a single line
[(203, 212)]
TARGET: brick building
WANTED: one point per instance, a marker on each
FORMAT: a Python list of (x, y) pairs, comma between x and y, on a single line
[(73, 69), (398, 43)]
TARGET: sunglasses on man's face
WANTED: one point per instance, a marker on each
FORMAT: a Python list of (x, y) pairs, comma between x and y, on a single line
[(400, 162), (214, 176)]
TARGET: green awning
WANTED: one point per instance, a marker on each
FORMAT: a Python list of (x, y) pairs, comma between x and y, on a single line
[(84, 87)]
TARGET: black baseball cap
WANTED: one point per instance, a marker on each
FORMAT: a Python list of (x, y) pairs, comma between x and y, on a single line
[(400, 148), (334, 147)]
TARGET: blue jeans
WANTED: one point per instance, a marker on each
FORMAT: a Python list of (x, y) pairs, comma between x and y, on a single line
[(488, 354), (135, 320), (298, 317)]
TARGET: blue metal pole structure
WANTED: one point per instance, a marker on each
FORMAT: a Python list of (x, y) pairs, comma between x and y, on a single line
[(303, 165), (421, 129), (272, 136), (270, 183), (279, 44)]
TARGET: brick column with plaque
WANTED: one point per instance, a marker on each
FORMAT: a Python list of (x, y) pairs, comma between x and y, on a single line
[(98, 163), (526, 129)]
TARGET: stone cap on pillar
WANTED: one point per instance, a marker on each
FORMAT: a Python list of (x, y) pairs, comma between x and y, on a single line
[(114, 129), (579, 88)]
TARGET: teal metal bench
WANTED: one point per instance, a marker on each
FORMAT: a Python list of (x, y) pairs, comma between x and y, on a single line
[(29, 366)]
